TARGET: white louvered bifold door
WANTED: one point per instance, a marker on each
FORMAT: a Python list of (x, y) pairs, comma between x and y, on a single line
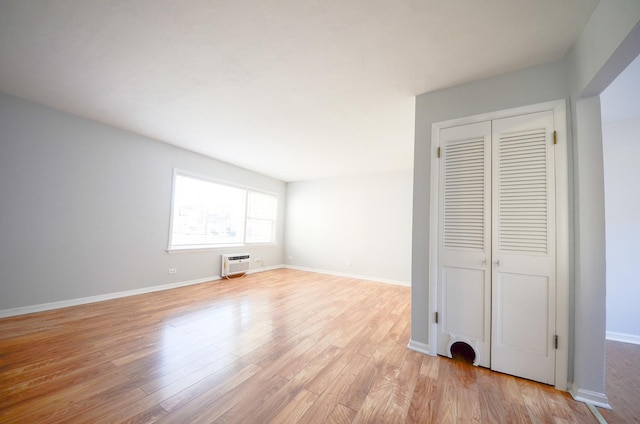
[(523, 248), (465, 239)]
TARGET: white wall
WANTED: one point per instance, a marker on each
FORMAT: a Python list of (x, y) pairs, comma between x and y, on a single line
[(621, 145), (357, 226), (589, 253), (84, 208), (608, 43)]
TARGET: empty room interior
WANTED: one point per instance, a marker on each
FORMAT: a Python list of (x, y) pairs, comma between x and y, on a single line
[(333, 212)]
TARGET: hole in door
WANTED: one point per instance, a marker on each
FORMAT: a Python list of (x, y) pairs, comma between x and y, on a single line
[(461, 351)]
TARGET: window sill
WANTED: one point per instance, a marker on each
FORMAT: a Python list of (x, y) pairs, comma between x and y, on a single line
[(208, 248)]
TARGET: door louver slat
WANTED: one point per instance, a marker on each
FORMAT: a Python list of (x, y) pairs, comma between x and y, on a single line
[(522, 185), (464, 186)]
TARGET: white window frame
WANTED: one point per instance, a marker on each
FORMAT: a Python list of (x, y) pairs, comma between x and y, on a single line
[(200, 247)]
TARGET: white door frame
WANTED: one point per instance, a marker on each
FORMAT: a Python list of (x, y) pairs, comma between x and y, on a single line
[(562, 225)]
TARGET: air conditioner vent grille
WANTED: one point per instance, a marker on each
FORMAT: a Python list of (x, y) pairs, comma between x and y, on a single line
[(235, 263)]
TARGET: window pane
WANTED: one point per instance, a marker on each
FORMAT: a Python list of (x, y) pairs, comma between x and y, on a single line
[(207, 213), (261, 216), (261, 205), (259, 230)]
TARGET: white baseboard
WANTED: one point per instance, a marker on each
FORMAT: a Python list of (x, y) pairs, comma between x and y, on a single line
[(265, 268), (359, 277), (419, 347), (4, 313), (622, 337), (587, 396)]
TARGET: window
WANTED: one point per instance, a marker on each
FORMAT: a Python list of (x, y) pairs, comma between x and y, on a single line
[(261, 217), (209, 214)]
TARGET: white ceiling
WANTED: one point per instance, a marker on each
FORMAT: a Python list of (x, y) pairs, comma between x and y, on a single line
[(294, 89)]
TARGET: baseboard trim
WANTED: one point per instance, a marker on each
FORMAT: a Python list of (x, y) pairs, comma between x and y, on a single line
[(623, 337), (342, 274), (23, 310), (265, 268), (590, 397), (419, 347)]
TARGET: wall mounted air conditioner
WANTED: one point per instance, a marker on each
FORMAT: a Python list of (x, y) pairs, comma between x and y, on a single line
[(235, 263)]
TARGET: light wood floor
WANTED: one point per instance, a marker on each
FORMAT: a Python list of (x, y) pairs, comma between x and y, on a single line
[(622, 383), (282, 346)]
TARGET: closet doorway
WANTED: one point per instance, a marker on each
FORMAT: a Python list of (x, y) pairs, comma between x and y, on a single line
[(498, 261)]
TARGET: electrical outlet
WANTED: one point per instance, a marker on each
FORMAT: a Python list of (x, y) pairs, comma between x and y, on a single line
[(173, 270)]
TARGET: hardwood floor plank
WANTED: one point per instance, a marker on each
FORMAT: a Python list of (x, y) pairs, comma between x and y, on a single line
[(354, 396), (228, 376), (516, 413), (534, 402), (290, 358), (273, 405), (422, 404), (330, 373), (27, 379), (241, 411), (622, 382), (162, 377), (446, 395), (403, 388), (315, 366), (508, 389), (374, 405), (492, 406), (429, 367), (240, 394), (165, 388), (468, 406), (330, 394), (280, 399), (49, 384), (149, 416), (61, 398), (353, 332), (107, 405), (295, 409), (274, 348), (380, 329), (492, 409), (189, 410), (277, 346), (99, 398), (556, 402), (341, 415)]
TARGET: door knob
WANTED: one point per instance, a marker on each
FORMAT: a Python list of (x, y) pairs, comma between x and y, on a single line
[(497, 262)]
